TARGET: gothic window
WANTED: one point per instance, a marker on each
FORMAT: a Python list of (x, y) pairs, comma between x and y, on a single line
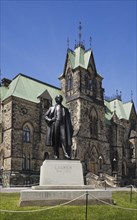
[(93, 123), (92, 160), (1, 160), (26, 134), (26, 162), (69, 82), (1, 135), (88, 82)]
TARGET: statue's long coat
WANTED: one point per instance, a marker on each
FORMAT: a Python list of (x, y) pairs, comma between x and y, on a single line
[(50, 131)]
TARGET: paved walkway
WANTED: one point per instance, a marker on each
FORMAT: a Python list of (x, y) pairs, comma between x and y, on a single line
[(18, 189), (12, 189)]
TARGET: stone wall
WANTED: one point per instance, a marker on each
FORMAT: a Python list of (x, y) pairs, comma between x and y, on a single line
[(16, 114)]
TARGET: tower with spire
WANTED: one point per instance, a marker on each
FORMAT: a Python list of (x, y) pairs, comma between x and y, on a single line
[(82, 87)]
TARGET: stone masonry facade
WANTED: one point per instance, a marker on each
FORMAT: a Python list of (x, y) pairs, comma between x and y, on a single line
[(108, 146)]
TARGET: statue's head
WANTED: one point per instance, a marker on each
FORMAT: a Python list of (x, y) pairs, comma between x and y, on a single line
[(59, 99)]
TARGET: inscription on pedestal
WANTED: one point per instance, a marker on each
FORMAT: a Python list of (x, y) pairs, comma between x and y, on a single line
[(61, 172), (63, 168)]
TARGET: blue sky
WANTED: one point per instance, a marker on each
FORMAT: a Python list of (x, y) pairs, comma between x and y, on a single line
[(34, 40)]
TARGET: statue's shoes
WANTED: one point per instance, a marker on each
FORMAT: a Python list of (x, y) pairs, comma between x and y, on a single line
[(67, 156), (55, 157)]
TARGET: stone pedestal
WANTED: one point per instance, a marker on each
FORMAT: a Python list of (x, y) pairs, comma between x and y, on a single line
[(61, 181), (61, 172)]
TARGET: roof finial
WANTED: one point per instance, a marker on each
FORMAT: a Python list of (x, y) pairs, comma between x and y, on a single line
[(117, 92), (75, 44), (80, 43), (90, 41), (68, 42), (121, 95), (84, 43), (80, 28), (131, 96)]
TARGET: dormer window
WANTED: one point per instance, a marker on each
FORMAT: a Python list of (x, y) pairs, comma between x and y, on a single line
[(45, 99), (46, 103)]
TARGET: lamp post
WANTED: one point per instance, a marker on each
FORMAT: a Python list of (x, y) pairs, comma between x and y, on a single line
[(100, 162), (115, 169), (1, 174), (114, 164), (100, 166)]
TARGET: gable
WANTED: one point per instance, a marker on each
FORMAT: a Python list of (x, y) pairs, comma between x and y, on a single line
[(122, 110), (79, 58), (45, 95)]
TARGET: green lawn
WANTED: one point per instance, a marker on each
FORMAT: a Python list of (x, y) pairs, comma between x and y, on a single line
[(10, 201)]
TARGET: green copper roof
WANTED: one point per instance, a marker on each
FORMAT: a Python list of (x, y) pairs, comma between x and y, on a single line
[(79, 57), (128, 106), (30, 89), (122, 110), (3, 91)]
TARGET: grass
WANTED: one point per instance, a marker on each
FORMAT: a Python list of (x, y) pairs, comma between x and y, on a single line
[(10, 201)]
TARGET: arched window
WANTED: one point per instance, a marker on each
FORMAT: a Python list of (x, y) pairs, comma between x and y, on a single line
[(124, 169), (26, 162), (69, 82), (92, 160), (88, 82), (93, 123), (26, 134), (1, 159), (1, 135)]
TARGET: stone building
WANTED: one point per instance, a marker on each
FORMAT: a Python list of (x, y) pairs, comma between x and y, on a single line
[(105, 130)]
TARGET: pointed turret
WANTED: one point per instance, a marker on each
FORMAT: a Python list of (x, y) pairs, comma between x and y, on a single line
[(80, 77)]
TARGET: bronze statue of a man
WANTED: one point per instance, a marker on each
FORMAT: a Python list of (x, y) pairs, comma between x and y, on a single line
[(60, 129)]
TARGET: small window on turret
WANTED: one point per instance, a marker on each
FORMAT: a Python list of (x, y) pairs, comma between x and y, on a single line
[(69, 82), (88, 82)]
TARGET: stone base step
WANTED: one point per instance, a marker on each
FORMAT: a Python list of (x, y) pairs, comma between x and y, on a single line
[(56, 197)]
